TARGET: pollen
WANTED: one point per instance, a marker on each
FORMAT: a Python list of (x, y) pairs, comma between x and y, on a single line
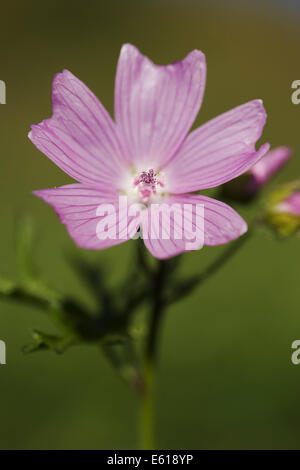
[(147, 183)]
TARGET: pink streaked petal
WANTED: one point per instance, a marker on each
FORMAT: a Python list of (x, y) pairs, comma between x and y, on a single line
[(218, 151), (165, 240), (270, 164), (80, 137), (155, 106), (220, 225), (76, 206)]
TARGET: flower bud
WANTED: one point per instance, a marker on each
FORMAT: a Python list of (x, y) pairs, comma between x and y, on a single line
[(246, 186), (283, 210), (290, 205)]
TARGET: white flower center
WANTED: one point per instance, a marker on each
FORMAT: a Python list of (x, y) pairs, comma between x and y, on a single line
[(145, 186)]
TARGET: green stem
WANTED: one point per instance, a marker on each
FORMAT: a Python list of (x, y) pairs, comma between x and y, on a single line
[(159, 303), (147, 405), (156, 313), (147, 409), (184, 288)]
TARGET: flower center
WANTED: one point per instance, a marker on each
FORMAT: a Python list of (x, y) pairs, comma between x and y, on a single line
[(148, 183)]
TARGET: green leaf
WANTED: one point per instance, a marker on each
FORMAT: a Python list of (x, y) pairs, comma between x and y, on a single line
[(44, 341)]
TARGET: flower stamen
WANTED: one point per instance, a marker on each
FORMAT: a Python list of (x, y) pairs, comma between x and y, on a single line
[(147, 183)]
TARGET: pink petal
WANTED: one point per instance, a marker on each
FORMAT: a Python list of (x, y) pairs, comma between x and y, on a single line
[(218, 151), (290, 205), (77, 207), (155, 106), (80, 137), (220, 225), (270, 164)]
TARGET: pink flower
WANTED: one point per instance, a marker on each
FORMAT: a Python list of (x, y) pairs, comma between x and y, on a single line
[(282, 211), (267, 166), (146, 153), (290, 205)]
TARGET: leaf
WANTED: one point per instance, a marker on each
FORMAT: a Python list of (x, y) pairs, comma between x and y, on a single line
[(44, 341)]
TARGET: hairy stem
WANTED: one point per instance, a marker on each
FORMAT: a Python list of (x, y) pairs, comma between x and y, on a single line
[(147, 430), (185, 287), (147, 409), (159, 303), (156, 313)]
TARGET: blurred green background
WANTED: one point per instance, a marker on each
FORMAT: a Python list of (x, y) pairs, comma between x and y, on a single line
[(225, 377)]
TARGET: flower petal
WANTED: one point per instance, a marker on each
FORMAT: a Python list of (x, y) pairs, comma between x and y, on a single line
[(77, 206), (155, 106), (195, 220), (80, 137), (218, 151)]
